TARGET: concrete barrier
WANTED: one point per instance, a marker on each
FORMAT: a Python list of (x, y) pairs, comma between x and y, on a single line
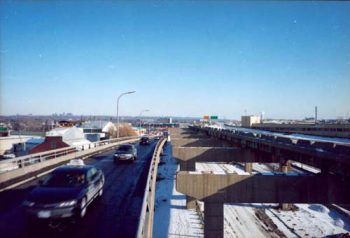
[(145, 226), (14, 176)]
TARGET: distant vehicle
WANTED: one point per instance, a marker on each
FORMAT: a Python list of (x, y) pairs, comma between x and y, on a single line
[(145, 141), (158, 136), (9, 156), (125, 152), (64, 193), (76, 162), (166, 135)]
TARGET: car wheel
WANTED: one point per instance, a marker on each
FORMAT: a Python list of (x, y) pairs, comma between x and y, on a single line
[(82, 208)]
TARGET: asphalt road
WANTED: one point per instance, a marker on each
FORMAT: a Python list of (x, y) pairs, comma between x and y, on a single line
[(116, 214)]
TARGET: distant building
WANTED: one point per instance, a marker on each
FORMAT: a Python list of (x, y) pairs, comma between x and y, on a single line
[(50, 143), (331, 130), (140, 130), (248, 121), (98, 130), (14, 144), (67, 123), (168, 120), (62, 137)]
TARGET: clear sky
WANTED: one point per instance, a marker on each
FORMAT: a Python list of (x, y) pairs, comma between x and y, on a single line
[(183, 58)]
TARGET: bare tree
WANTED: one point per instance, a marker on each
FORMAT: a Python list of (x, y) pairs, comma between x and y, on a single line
[(124, 131)]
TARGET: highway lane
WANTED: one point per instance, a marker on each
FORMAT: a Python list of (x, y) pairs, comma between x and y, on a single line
[(116, 214)]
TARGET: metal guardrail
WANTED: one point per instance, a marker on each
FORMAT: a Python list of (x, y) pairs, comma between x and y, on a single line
[(295, 150), (37, 164), (145, 227), (335, 147), (23, 161), (320, 148)]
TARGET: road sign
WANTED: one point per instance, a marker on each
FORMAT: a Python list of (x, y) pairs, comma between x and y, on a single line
[(214, 117)]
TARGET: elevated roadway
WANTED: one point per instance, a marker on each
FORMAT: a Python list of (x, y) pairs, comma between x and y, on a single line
[(116, 214), (196, 144)]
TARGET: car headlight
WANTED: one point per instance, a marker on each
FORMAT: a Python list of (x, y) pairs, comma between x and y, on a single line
[(68, 203), (28, 203)]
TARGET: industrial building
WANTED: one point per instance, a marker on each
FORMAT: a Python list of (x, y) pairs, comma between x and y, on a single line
[(98, 130), (62, 137), (331, 130), (247, 121)]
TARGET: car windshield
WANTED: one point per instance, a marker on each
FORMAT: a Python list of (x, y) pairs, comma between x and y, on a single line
[(65, 179), (124, 148)]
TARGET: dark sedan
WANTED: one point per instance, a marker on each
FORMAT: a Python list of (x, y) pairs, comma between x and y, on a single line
[(125, 152), (66, 192), (145, 141)]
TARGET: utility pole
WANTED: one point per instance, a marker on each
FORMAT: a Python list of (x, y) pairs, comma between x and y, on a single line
[(118, 109), (315, 114)]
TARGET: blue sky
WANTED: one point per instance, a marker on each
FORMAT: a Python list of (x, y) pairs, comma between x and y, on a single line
[(183, 58)]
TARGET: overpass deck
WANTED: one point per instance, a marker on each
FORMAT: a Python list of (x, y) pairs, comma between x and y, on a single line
[(296, 136), (116, 214)]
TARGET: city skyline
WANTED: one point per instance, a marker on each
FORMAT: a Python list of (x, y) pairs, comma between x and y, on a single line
[(182, 58)]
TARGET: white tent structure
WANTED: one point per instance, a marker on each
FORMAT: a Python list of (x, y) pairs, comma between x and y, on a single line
[(96, 130), (72, 136)]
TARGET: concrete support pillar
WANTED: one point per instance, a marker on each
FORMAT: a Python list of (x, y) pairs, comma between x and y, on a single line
[(189, 166), (248, 167), (190, 202), (213, 220), (285, 167), (286, 206)]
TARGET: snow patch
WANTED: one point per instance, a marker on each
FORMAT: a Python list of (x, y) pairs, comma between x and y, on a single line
[(171, 218)]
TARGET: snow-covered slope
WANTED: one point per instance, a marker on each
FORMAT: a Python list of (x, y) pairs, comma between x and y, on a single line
[(172, 219)]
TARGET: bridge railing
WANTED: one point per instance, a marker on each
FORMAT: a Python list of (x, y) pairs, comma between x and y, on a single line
[(29, 167), (319, 147), (27, 160), (145, 227)]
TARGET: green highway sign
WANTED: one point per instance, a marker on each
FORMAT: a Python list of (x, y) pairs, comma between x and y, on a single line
[(214, 117)]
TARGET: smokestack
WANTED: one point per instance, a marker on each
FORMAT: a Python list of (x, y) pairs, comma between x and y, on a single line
[(315, 114)]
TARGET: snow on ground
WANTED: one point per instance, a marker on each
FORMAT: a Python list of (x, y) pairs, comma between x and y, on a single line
[(314, 220), (171, 218), (265, 167), (240, 221), (306, 167), (219, 168), (311, 220)]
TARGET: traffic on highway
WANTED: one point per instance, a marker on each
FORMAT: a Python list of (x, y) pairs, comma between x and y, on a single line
[(66, 192), (98, 198)]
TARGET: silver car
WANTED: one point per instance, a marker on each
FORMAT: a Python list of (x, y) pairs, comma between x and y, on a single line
[(125, 152)]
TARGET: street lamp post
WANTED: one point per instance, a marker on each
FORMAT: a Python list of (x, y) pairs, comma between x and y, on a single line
[(118, 109), (146, 110)]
